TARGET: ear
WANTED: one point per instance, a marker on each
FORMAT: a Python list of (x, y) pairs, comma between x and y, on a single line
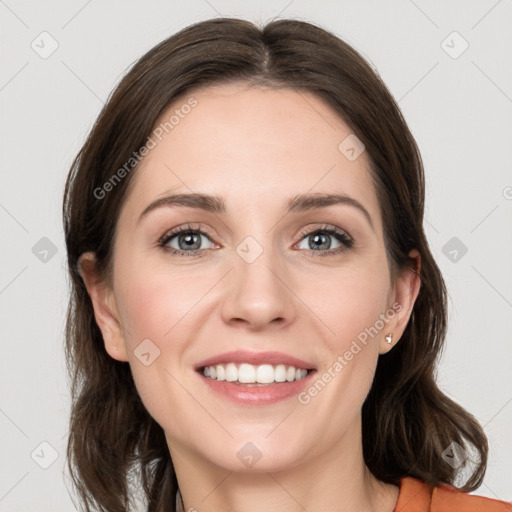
[(403, 297), (105, 309)]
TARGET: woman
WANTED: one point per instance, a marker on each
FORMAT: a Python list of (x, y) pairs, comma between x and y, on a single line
[(256, 315)]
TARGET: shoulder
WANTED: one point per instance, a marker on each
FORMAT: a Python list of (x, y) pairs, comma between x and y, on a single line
[(446, 498), (417, 496)]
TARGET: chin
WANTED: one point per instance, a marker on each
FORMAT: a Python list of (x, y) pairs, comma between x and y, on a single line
[(256, 453)]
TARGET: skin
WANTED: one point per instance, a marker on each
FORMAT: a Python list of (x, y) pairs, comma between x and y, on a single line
[(255, 147)]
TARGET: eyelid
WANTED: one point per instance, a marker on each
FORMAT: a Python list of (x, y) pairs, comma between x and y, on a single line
[(307, 231), (324, 227), (171, 233), (304, 233)]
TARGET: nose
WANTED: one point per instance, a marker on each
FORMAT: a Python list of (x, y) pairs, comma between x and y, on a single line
[(259, 293)]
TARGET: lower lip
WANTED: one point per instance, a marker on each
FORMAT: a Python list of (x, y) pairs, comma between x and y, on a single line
[(252, 394)]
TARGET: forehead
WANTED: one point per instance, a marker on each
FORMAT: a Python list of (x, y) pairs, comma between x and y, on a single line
[(255, 146)]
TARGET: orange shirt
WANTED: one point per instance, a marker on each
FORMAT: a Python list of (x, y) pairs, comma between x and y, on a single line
[(417, 496)]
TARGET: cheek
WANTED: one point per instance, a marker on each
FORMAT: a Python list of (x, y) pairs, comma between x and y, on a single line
[(354, 308), (154, 318), (351, 303), (153, 305), (349, 359), (159, 316)]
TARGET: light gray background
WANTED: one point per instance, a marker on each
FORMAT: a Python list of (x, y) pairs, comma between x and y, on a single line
[(459, 110)]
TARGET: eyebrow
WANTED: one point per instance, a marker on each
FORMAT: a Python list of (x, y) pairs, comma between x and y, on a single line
[(215, 204)]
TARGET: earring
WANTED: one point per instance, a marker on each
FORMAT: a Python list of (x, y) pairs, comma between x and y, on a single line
[(389, 338)]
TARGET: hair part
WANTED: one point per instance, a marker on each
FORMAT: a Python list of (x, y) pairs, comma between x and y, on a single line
[(407, 421)]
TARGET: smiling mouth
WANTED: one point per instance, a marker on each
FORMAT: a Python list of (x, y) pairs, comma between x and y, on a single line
[(245, 374)]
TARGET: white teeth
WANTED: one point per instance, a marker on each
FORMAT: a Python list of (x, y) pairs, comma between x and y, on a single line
[(221, 372), (250, 374), (231, 373), (280, 373), (246, 373), (265, 374)]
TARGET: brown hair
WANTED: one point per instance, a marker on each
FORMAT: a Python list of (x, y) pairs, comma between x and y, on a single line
[(407, 421)]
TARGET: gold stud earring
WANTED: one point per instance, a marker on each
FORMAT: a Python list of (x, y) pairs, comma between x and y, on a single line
[(389, 338)]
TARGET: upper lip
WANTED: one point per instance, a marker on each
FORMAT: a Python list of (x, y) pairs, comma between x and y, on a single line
[(255, 358)]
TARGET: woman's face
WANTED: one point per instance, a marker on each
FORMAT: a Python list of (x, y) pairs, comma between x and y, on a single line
[(276, 270)]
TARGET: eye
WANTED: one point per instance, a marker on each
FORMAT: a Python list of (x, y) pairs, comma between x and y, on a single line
[(320, 241), (185, 241)]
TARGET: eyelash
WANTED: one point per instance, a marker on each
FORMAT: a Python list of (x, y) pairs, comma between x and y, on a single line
[(346, 241)]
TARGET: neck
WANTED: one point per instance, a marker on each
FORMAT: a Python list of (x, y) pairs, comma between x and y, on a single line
[(337, 480)]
